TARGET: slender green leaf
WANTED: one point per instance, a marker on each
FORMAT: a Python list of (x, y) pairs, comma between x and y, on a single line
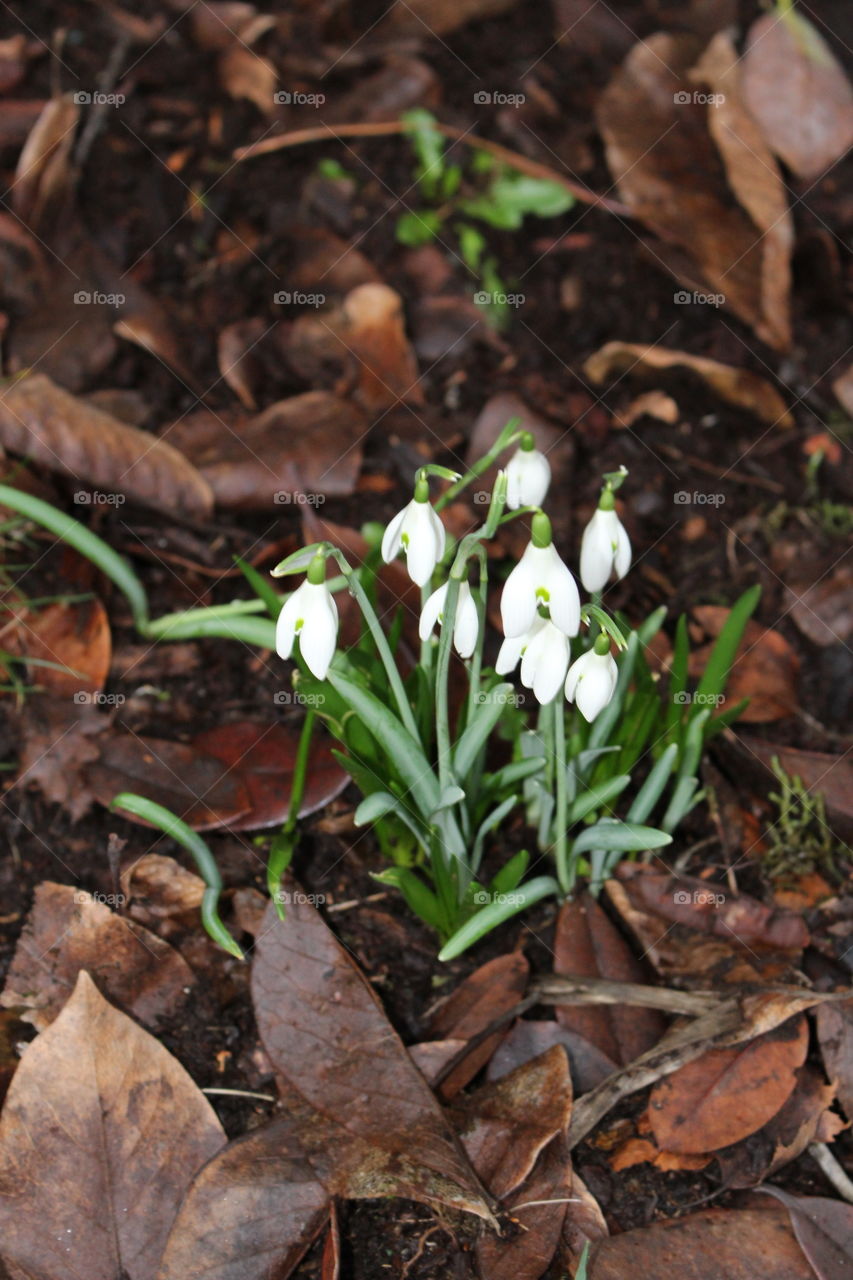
[(627, 837), (488, 825), (716, 673), (494, 913), (482, 722), (653, 787), (262, 588), (596, 797), (511, 874), (417, 896)]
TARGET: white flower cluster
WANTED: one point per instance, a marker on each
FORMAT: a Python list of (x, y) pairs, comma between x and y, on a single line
[(540, 604)]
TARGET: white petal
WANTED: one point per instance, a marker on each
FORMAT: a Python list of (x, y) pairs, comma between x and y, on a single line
[(391, 536), (543, 667), (423, 542), (514, 482), (285, 628), (433, 606), (597, 551), (509, 654), (594, 689), (623, 551), (518, 598), (319, 633), (467, 624), (536, 477), (576, 671), (439, 533), (564, 602)]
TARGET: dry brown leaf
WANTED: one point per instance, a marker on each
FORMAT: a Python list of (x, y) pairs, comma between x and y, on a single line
[(76, 636), (655, 126), (236, 357), (823, 610), (43, 173), (485, 995), (101, 1133), (810, 124), (824, 1229), (41, 421), (740, 387), (539, 1208), (157, 888), (246, 75), (528, 1038), (835, 1035), (587, 945), (765, 668), (819, 771), (67, 931), (371, 327), (727, 1094)]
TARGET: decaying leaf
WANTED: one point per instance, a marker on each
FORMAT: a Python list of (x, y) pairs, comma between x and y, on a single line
[(101, 1133), (824, 1229), (726, 1094), (528, 1037), (540, 1209), (835, 1034), (810, 124), (43, 173), (74, 635), (740, 387), (69, 930), (158, 888), (587, 945), (39, 420), (765, 668)]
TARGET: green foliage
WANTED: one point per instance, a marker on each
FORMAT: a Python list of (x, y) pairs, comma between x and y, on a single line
[(800, 842)]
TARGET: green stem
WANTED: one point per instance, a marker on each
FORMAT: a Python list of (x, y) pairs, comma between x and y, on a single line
[(442, 673), (507, 437), (380, 640), (282, 848), (560, 842)]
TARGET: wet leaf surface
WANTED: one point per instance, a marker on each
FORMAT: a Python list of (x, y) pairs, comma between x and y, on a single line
[(824, 1229), (101, 1133)]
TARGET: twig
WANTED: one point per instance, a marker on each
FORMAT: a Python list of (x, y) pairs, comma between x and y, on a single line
[(563, 990), (391, 128), (243, 1093), (823, 1157)]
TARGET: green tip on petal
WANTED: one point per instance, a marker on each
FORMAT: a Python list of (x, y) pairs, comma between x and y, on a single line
[(317, 570), (527, 443), (540, 530), (421, 488), (606, 502), (602, 644)]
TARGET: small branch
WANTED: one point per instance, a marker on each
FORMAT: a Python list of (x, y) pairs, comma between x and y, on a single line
[(823, 1157)]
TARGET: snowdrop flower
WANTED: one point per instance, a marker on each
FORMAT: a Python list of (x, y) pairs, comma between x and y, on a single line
[(544, 653), (528, 475), (605, 546), (592, 679), (419, 532), (466, 625), (540, 577), (311, 614)]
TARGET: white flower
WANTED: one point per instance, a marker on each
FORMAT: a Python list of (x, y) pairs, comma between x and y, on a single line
[(311, 614), (546, 653), (528, 475), (605, 547), (540, 577), (419, 532), (466, 625), (591, 682)]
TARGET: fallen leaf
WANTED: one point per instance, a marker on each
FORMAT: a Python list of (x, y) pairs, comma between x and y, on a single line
[(527, 1038), (329, 1040), (69, 930), (237, 362), (823, 610), (587, 945), (652, 404), (740, 387), (824, 1229), (727, 1094), (57, 742), (484, 996), (507, 1124), (765, 668), (819, 771), (40, 420), (636, 1151), (540, 1210), (77, 637), (835, 1035), (422, 18), (714, 1244), (583, 1225), (246, 75), (371, 328), (298, 450), (158, 888), (810, 125), (43, 174), (667, 168), (101, 1133)]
